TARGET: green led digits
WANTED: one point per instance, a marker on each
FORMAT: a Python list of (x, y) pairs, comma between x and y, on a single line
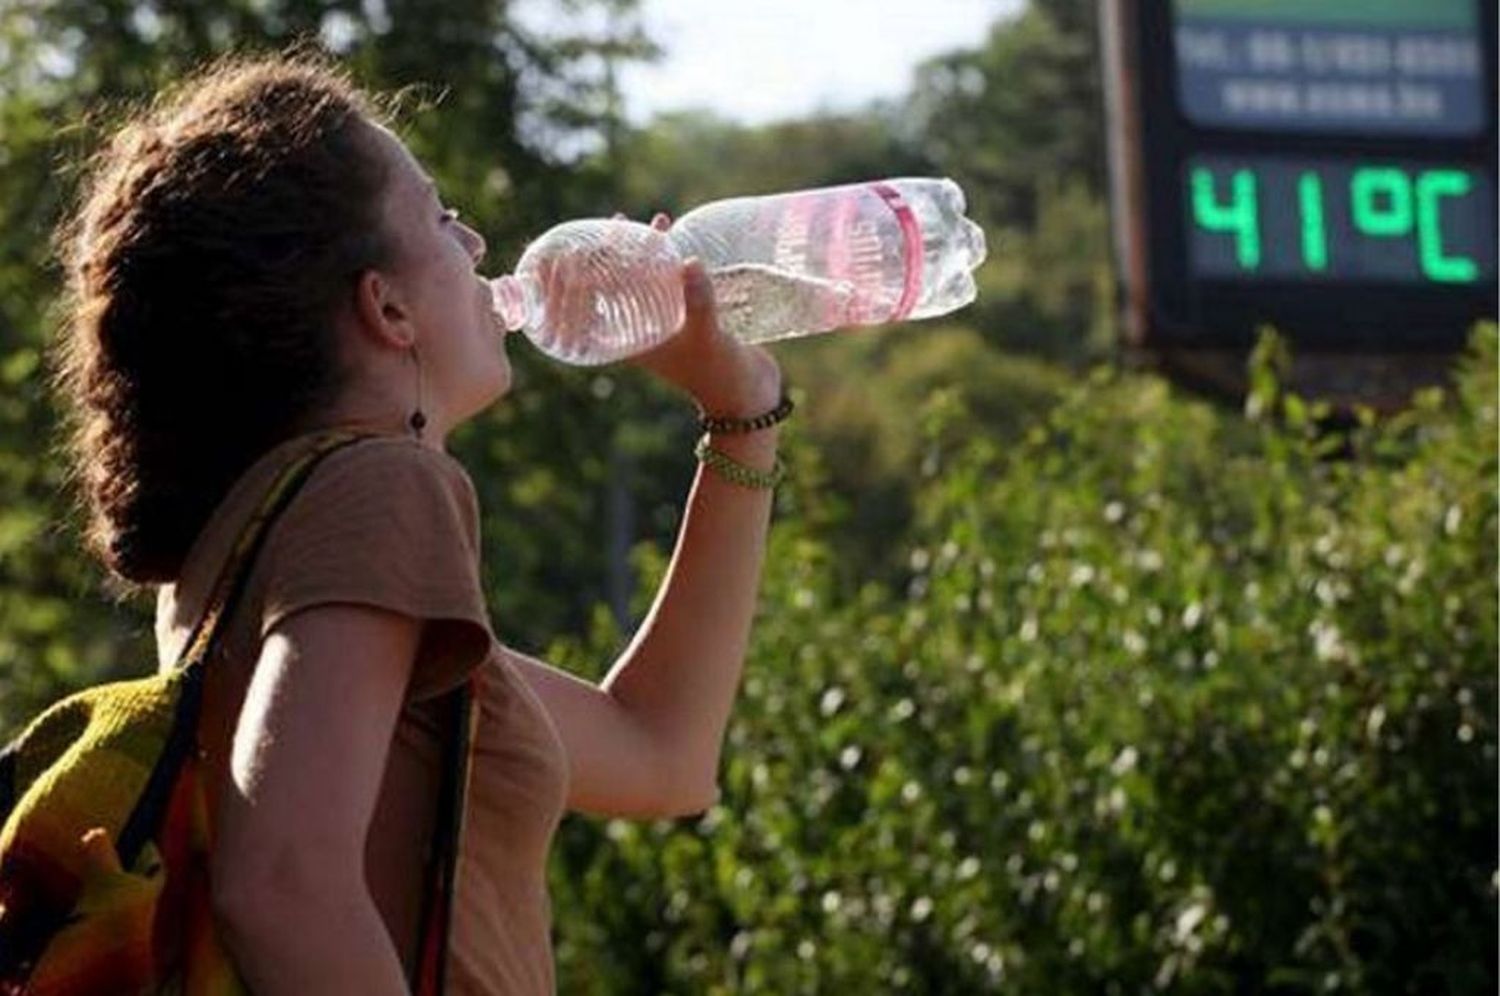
[(1368, 189), (1383, 204), (1314, 233), (1338, 219), (1432, 185), (1238, 217)]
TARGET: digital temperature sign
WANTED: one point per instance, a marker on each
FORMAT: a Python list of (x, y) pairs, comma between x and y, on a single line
[(1324, 166), (1338, 220)]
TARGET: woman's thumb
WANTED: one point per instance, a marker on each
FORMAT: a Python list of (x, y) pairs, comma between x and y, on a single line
[(697, 289)]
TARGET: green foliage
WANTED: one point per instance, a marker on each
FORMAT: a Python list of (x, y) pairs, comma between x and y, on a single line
[(1024, 106), (1048, 287), (689, 158), (1170, 700), (870, 442), (1019, 122)]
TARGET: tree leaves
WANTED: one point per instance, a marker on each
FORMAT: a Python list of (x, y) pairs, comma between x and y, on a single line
[(1109, 735)]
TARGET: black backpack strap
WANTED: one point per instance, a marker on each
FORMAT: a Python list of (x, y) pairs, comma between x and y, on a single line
[(8, 780), (429, 969)]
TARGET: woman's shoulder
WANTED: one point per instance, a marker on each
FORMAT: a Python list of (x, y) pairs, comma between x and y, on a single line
[(397, 489), (402, 454), (383, 500), (379, 469), (385, 469)]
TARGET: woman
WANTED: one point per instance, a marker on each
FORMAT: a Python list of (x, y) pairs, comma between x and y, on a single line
[(255, 259)]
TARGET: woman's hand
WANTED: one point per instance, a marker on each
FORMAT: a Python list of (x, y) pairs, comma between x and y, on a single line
[(723, 375)]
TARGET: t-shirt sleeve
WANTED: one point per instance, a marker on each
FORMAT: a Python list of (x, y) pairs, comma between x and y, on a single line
[(395, 525)]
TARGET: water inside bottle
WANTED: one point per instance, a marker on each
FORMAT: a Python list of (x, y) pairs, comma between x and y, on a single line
[(757, 302)]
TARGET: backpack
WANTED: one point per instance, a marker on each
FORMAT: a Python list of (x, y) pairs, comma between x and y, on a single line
[(103, 827)]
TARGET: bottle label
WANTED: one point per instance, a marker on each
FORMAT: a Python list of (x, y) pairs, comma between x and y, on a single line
[(911, 238), (794, 236)]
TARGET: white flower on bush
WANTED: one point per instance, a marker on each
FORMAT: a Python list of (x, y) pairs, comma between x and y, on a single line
[(1187, 922), (1328, 640), (832, 699), (1149, 561), (1407, 583)]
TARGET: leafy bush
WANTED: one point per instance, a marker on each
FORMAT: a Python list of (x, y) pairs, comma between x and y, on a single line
[(1172, 699)]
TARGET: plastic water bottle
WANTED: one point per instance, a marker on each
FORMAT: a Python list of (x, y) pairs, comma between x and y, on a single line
[(597, 290)]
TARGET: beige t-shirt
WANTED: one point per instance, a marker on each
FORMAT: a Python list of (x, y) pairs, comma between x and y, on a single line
[(391, 523)]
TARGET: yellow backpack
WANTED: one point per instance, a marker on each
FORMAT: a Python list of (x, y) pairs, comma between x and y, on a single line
[(103, 829)]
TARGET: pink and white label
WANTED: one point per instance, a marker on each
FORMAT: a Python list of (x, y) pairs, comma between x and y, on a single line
[(911, 239)]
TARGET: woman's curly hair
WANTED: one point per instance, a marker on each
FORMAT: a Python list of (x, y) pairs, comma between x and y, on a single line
[(215, 237)]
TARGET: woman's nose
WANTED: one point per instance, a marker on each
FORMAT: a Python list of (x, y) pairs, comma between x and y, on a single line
[(477, 246)]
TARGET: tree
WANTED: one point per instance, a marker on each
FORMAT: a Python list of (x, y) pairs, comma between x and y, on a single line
[(1019, 122)]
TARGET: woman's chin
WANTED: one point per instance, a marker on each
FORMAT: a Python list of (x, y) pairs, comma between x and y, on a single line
[(498, 389)]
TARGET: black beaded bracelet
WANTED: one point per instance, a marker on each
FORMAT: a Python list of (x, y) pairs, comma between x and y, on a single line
[(728, 425)]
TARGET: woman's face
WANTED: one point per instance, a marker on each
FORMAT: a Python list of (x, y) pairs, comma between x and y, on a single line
[(459, 340)]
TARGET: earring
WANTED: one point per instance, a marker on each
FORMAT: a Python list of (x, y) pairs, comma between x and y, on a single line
[(418, 420)]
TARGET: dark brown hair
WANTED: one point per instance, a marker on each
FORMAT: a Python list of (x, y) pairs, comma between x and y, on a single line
[(215, 236)]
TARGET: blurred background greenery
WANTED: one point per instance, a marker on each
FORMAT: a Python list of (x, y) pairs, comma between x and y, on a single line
[(1062, 682)]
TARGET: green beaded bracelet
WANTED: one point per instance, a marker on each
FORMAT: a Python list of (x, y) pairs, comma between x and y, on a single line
[(735, 472)]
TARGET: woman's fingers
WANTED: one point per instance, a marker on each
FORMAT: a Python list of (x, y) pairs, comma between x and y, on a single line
[(701, 322), (661, 221), (699, 294)]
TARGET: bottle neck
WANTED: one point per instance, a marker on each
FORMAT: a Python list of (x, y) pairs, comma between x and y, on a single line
[(517, 300)]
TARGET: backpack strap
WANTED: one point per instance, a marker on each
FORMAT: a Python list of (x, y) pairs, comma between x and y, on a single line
[(235, 572), (430, 968), (429, 971), (147, 814)]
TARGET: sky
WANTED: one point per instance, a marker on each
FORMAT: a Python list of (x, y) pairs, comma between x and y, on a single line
[(764, 60)]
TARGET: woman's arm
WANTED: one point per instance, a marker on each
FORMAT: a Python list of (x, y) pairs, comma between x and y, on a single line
[(309, 753), (680, 674)]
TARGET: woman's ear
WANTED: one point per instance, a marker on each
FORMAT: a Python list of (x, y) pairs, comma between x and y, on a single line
[(380, 312)]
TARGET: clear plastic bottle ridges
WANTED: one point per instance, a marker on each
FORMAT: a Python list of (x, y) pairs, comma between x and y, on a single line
[(597, 290)]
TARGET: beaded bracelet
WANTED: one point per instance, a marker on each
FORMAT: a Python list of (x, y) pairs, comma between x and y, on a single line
[(735, 472), (725, 424)]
